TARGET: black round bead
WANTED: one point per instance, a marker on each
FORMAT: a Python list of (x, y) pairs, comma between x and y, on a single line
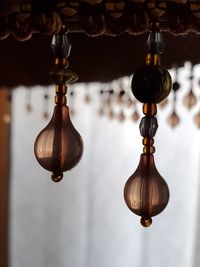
[(175, 86), (151, 84)]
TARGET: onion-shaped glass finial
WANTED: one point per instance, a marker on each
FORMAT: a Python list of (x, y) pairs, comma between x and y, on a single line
[(146, 193), (58, 147)]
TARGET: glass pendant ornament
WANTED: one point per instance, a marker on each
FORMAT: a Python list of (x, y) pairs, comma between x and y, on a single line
[(197, 120), (87, 97), (101, 108), (173, 119), (59, 147), (72, 109), (146, 193), (121, 116), (108, 99), (190, 99), (28, 101), (152, 83), (111, 114), (120, 97), (135, 116), (46, 102)]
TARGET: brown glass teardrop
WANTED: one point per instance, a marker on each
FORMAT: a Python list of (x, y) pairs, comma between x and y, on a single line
[(173, 120), (190, 99), (135, 116), (146, 193), (59, 146)]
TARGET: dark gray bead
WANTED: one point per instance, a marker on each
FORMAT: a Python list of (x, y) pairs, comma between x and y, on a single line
[(155, 43), (148, 126), (61, 45)]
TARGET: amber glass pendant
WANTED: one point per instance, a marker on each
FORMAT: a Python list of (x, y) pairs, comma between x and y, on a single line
[(58, 147), (146, 193), (190, 99)]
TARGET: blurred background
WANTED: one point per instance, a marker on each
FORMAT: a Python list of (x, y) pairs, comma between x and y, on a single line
[(83, 220)]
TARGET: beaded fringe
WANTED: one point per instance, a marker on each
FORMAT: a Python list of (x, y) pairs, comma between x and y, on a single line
[(97, 17)]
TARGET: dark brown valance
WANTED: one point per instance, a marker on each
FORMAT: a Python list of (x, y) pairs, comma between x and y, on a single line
[(96, 17), (108, 36)]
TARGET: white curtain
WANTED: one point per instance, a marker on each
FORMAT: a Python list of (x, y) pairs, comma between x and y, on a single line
[(83, 220)]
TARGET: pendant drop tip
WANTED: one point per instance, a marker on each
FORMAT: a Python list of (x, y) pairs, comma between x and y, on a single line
[(146, 222), (57, 177)]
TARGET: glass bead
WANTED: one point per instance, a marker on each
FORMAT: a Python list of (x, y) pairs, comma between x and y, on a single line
[(149, 149), (146, 222), (148, 141), (150, 109), (57, 177), (46, 96), (146, 193), (175, 86), (61, 45), (60, 99), (152, 59), (87, 98), (151, 84), (121, 116), (155, 43), (59, 146), (148, 126), (61, 88)]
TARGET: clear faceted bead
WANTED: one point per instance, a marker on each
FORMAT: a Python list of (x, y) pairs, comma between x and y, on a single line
[(61, 45), (155, 43), (148, 126)]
